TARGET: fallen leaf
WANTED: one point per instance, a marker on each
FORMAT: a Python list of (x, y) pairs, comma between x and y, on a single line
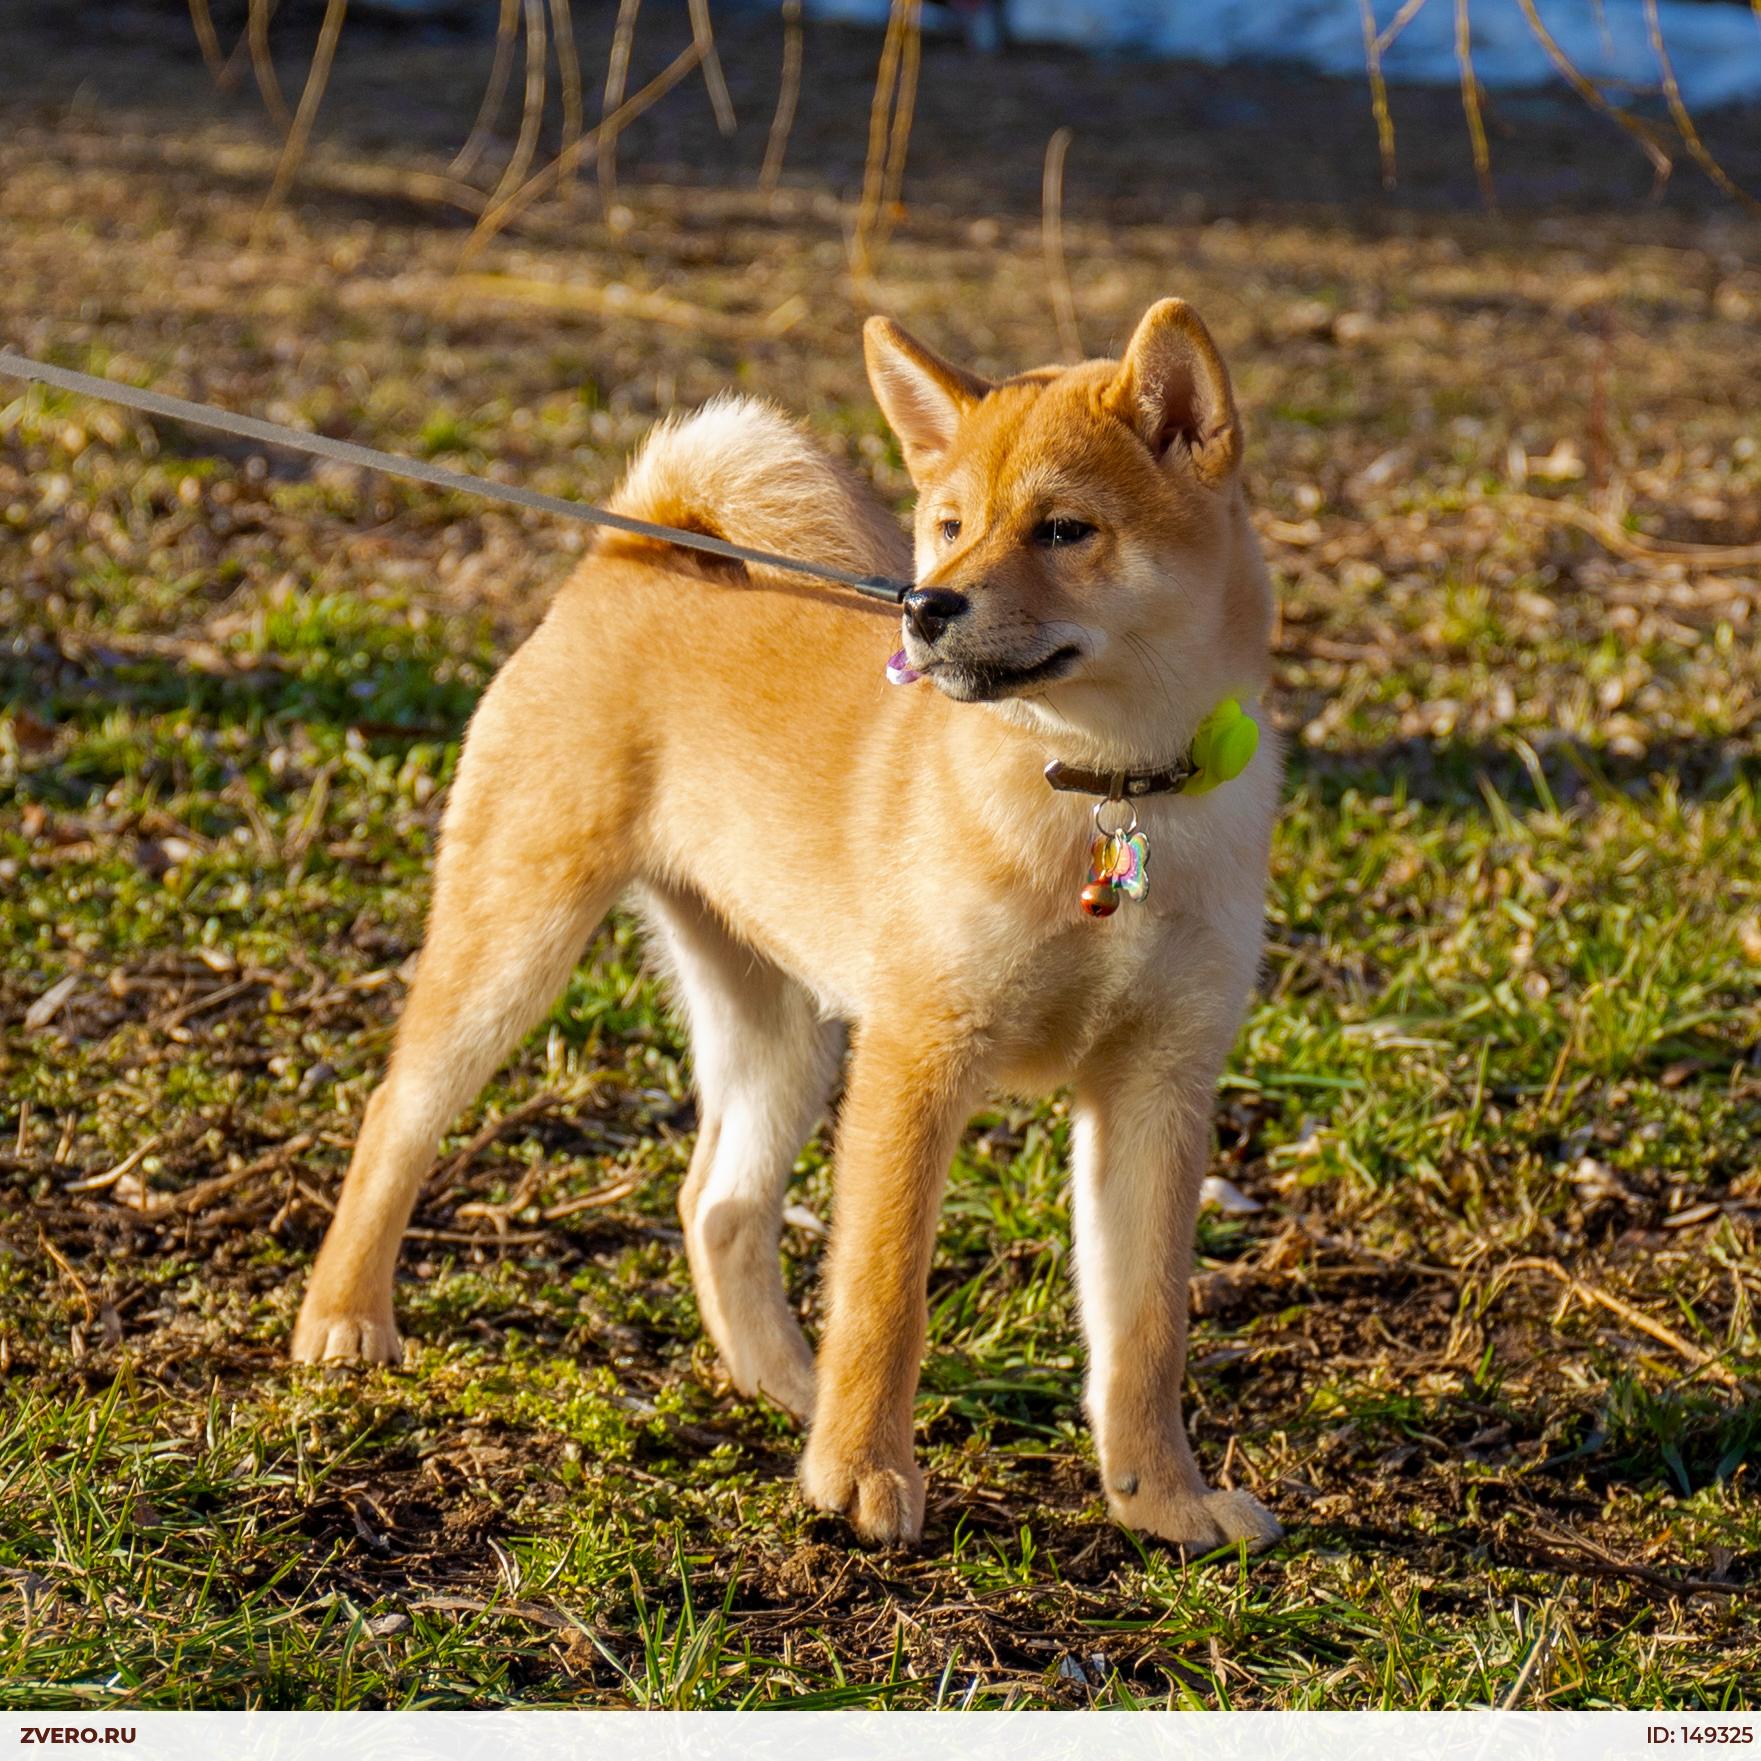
[(1227, 1197), (48, 1005)]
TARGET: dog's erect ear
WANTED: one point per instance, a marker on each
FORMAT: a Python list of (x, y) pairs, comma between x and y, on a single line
[(1173, 388), (922, 396)]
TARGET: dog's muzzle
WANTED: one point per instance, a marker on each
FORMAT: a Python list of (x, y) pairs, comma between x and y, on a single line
[(930, 610)]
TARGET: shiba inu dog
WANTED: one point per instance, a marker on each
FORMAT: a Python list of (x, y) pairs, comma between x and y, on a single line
[(830, 861)]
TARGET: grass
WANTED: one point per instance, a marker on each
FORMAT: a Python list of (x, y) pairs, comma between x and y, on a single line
[(1488, 1345)]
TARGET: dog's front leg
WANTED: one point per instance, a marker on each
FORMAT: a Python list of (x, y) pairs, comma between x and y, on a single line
[(1141, 1143), (903, 1110)]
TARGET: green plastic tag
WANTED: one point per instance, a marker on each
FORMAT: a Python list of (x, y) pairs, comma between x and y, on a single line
[(1223, 747)]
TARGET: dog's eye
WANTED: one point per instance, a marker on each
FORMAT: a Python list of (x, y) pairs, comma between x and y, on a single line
[(1062, 531), (950, 531)]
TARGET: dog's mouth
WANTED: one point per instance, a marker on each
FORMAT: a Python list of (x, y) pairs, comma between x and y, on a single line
[(983, 681)]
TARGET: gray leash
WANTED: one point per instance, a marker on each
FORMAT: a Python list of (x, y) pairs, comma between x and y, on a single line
[(177, 409)]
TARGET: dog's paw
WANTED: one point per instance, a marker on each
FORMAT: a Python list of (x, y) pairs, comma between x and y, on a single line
[(788, 1383), (1197, 1523), (882, 1502), (324, 1335), (776, 1366)]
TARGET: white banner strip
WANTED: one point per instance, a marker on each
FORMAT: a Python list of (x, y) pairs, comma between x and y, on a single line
[(880, 1736)]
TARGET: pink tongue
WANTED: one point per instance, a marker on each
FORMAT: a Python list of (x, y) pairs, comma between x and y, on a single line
[(900, 671)]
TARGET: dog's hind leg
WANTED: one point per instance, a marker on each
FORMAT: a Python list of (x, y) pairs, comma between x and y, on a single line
[(765, 1064), (531, 856)]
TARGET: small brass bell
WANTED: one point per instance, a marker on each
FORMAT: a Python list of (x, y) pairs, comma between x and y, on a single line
[(1100, 898)]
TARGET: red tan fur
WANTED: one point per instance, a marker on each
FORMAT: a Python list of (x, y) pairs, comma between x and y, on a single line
[(825, 858)]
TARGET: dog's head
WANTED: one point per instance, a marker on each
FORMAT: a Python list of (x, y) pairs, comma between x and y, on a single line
[(1083, 551)]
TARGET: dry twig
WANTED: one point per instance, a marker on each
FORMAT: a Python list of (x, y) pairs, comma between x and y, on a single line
[(617, 74), (50, 1003), (532, 112), (203, 20), (1683, 118), (212, 999), (1591, 93), (294, 147), (789, 96), (1701, 1359), (1470, 104), (546, 1617), (110, 1176), (1051, 232), (263, 62), (899, 136), (1592, 1560), (1375, 46), (67, 1271), (889, 130), (1635, 546), (703, 35), (444, 1173), (465, 160), (195, 1198), (609, 1194), (499, 214), (568, 66)]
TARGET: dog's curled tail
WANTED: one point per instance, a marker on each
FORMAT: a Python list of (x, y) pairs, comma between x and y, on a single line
[(739, 469)]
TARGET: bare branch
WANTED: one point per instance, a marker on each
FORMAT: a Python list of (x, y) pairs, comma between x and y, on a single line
[(787, 98), (317, 78), (1470, 104), (1591, 93), (465, 161), (568, 64), (1051, 232), (263, 63), (203, 20), (1375, 47), (703, 35), (499, 214), (617, 73), (532, 112), (1683, 119), (899, 136), (892, 102)]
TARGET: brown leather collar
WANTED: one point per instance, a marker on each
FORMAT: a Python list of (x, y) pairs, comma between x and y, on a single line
[(1120, 785)]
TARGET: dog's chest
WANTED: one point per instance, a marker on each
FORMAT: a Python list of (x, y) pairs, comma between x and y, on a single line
[(1078, 987), (1169, 961)]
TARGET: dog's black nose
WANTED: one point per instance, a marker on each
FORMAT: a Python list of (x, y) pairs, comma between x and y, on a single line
[(931, 610)]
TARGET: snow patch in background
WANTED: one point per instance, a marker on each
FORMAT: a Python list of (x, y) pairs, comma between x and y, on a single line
[(1714, 48)]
